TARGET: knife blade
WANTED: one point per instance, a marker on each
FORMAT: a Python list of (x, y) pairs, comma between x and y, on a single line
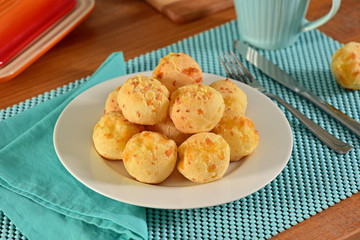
[(276, 73)]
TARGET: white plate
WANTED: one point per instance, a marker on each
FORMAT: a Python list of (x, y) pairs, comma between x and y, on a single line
[(73, 144)]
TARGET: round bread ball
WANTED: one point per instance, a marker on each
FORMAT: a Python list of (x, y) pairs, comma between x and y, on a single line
[(176, 70), (239, 132), (111, 104), (234, 97), (168, 129), (150, 157), (111, 134), (345, 66), (143, 100), (204, 157), (196, 108)]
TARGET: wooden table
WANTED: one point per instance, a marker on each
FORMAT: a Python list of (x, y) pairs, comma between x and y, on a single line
[(134, 27)]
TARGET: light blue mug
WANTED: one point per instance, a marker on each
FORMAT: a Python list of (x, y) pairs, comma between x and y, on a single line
[(274, 24)]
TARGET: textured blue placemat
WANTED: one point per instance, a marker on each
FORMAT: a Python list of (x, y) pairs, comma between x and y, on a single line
[(315, 177)]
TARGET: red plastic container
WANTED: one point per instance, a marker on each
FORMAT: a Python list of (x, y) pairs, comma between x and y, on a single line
[(21, 21)]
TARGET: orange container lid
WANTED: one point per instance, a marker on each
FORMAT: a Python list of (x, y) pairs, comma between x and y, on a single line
[(24, 20)]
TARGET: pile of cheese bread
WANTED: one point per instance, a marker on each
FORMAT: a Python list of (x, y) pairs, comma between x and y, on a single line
[(173, 120)]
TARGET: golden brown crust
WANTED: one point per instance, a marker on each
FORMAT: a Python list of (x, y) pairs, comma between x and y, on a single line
[(196, 108), (176, 70), (150, 157), (239, 132), (345, 66), (111, 104), (111, 134), (144, 100), (234, 98), (204, 157), (168, 129)]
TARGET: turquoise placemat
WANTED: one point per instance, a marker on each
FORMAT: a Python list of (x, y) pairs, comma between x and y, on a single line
[(315, 177)]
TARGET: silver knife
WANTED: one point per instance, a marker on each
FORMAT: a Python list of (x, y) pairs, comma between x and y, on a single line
[(276, 73)]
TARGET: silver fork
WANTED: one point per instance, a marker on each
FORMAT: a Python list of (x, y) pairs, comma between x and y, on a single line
[(232, 66)]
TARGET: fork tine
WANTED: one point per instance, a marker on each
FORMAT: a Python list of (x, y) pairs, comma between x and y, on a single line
[(230, 69), (238, 71), (247, 73), (234, 73), (226, 68)]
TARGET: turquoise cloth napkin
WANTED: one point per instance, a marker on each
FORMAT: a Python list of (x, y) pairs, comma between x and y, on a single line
[(38, 194)]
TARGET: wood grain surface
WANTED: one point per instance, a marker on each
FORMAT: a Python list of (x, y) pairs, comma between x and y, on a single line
[(182, 11), (135, 27)]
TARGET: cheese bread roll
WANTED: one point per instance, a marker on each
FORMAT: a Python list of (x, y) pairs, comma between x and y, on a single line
[(111, 134), (143, 100), (234, 97), (196, 108), (176, 70), (168, 129), (150, 157), (204, 157), (239, 132), (345, 66), (111, 104)]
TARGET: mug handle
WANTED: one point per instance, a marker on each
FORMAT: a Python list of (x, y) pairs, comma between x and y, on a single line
[(317, 23)]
